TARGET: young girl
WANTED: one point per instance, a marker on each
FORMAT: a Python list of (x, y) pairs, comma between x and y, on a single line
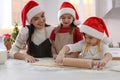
[(67, 31), (92, 47), (36, 35)]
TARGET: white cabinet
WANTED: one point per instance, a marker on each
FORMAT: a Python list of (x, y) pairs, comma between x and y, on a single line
[(103, 7), (116, 3)]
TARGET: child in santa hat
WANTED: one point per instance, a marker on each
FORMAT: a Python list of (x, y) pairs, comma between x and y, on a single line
[(67, 32), (93, 45), (35, 35)]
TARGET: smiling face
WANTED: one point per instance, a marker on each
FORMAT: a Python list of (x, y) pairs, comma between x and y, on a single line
[(66, 20), (90, 40), (39, 20)]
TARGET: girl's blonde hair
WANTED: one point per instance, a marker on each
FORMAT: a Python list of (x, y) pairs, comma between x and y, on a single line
[(98, 47)]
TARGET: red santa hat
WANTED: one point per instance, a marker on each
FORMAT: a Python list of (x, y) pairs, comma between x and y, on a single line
[(67, 7), (95, 27), (29, 11)]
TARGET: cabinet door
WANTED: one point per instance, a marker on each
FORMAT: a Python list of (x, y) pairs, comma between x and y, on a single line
[(116, 3), (103, 7)]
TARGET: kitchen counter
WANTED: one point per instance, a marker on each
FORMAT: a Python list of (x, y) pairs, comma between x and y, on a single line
[(15, 69)]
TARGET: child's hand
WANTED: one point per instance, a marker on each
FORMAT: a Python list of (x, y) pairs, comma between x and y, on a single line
[(54, 56), (59, 58), (30, 59), (100, 64), (61, 55)]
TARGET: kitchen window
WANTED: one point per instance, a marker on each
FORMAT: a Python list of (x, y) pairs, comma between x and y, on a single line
[(85, 8)]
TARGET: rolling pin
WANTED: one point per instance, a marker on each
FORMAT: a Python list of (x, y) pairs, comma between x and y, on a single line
[(76, 62)]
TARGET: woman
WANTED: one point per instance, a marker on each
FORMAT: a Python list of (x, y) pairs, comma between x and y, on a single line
[(36, 35)]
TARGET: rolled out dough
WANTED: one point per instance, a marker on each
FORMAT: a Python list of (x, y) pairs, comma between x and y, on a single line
[(47, 62)]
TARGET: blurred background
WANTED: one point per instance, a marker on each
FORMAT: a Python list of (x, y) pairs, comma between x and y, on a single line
[(109, 10)]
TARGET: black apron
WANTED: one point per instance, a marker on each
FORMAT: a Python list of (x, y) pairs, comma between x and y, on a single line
[(41, 50)]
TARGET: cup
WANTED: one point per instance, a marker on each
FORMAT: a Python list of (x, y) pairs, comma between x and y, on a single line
[(3, 56)]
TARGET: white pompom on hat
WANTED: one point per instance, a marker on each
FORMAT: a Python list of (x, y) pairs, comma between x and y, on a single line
[(29, 11), (68, 8), (107, 40), (95, 27)]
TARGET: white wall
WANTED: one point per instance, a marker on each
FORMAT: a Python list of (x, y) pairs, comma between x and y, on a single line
[(114, 29), (51, 9), (5, 13), (113, 21)]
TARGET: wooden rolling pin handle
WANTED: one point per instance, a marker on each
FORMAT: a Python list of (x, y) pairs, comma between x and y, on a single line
[(75, 62)]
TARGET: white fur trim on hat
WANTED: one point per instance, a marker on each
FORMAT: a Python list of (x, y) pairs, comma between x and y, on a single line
[(31, 13), (77, 22), (91, 31), (65, 11)]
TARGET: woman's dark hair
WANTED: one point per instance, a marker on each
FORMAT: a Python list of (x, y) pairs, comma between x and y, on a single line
[(31, 29)]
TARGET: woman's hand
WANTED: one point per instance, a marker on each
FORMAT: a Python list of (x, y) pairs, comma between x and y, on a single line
[(30, 59)]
